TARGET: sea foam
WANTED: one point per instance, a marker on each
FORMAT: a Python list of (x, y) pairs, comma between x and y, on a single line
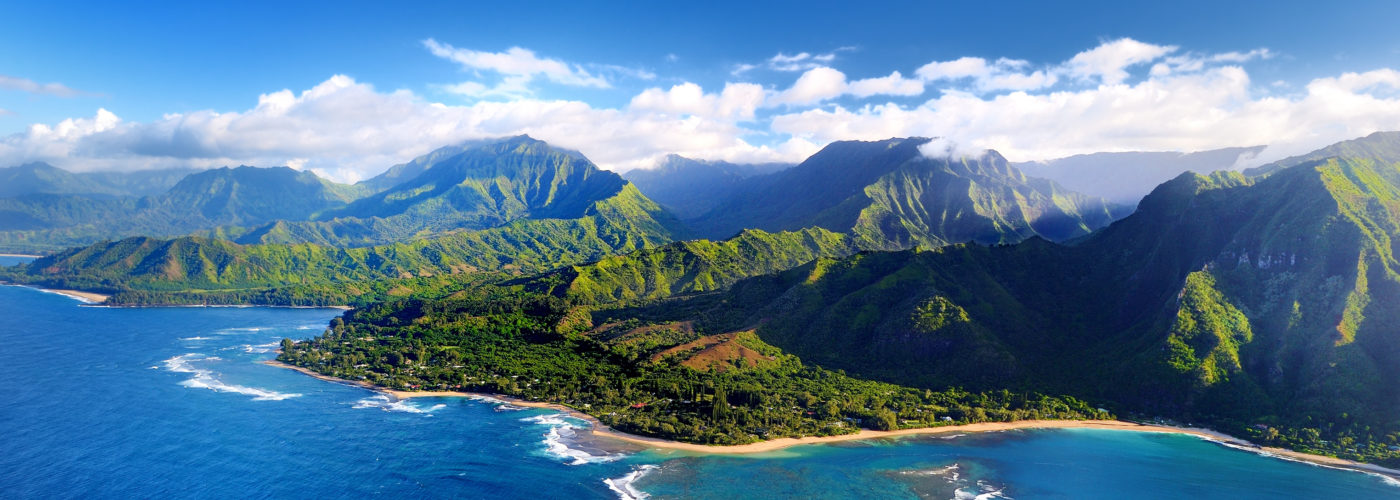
[(497, 403), (387, 403), (983, 491), (623, 485), (206, 379), (259, 349), (561, 430)]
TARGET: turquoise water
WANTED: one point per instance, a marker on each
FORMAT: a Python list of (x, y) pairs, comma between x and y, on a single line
[(173, 402)]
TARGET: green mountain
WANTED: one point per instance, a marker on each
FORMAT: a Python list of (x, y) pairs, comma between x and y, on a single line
[(473, 186), (1229, 300), (490, 185), (686, 267), (690, 188), (890, 195), (402, 172), (245, 196), (622, 221)]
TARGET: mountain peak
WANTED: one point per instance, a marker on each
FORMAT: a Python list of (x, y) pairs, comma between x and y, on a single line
[(489, 183)]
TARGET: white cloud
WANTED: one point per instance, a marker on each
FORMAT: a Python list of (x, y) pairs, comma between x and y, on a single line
[(1187, 63), (798, 62), (33, 87), (801, 61), (1209, 109), (350, 131), (895, 84), (814, 86), (1107, 64), (516, 61), (1109, 61), (1240, 57), (823, 83), (1004, 74), (737, 101), (963, 67), (944, 147)]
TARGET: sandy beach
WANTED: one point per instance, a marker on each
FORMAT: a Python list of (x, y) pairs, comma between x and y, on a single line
[(778, 444), (20, 255), (88, 297)]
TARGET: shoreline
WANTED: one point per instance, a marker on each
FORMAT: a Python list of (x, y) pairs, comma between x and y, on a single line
[(84, 297), (94, 298), (21, 255), (782, 443)]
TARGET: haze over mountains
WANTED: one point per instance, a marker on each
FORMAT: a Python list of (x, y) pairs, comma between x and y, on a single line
[(1124, 178), (690, 188)]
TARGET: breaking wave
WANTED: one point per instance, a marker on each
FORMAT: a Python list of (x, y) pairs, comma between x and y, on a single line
[(561, 431), (207, 379), (623, 485), (387, 403)]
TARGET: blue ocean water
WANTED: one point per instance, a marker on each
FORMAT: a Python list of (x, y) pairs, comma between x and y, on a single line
[(174, 402)]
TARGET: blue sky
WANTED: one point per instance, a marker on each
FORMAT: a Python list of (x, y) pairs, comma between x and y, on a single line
[(371, 84)]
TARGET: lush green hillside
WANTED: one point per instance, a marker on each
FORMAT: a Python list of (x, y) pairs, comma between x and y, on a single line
[(690, 266), (670, 380), (1224, 300), (402, 172), (890, 195), (493, 184), (624, 222), (473, 186), (690, 188)]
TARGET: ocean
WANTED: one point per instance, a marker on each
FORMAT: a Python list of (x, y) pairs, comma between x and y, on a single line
[(175, 402)]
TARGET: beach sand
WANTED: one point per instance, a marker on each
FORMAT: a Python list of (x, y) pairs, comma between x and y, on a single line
[(88, 297), (778, 444), (20, 255)]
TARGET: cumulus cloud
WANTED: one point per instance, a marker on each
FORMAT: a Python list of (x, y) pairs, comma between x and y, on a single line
[(1109, 61), (33, 87), (349, 131), (737, 101), (1213, 108), (823, 83)]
